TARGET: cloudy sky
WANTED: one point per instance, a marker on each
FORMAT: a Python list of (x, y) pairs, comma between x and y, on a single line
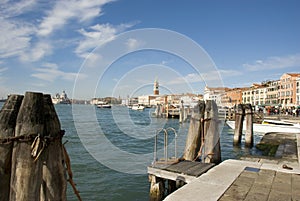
[(91, 47)]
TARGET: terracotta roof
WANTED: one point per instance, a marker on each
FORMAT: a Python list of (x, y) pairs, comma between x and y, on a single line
[(294, 74)]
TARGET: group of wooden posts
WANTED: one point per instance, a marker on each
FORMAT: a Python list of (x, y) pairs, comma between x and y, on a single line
[(33, 160), (164, 111), (243, 112), (202, 144)]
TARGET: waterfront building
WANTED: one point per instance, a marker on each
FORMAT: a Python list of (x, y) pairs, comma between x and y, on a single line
[(255, 95), (147, 100), (214, 93), (247, 96), (150, 100), (260, 95), (190, 100), (232, 97), (298, 91), (272, 92), (287, 91), (61, 98)]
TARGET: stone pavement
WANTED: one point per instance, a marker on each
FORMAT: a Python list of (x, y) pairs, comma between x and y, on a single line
[(263, 185), (243, 180), (269, 179)]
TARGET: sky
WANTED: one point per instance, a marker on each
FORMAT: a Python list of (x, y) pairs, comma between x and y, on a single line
[(100, 48)]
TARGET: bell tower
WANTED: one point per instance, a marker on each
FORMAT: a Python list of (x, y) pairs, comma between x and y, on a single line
[(156, 87)]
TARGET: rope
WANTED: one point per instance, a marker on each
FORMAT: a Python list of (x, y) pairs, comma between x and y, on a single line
[(37, 147), (30, 138), (38, 142), (69, 170)]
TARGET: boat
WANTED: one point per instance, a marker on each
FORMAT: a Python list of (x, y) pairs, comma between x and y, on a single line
[(137, 107), (268, 126), (102, 104)]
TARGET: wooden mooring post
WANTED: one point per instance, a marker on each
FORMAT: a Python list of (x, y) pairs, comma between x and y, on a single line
[(8, 115), (238, 130), (195, 133), (244, 111), (26, 175), (181, 112), (32, 159), (212, 147), (249, 125), (54, 182)]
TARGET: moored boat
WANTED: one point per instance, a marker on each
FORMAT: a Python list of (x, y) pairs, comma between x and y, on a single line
[(137, 107), (102, 104), (268, 126)]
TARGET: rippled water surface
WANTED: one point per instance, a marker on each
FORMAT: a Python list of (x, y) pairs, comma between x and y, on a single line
[(129, 131)]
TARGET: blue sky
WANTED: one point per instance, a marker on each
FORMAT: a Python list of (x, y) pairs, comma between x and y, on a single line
[(49, 46)]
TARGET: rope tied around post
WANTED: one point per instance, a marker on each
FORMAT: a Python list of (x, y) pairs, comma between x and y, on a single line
[(38, 142), (31, 138)]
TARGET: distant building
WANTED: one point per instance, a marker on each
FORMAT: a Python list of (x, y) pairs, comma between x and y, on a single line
[(287, 91), (233, 97), (272, 92), (298, 91), (146, 100), (156, 88), (61, 98), (255, 95), (214, 93)]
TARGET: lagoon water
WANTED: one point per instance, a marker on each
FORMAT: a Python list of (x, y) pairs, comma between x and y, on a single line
[(130, 132)]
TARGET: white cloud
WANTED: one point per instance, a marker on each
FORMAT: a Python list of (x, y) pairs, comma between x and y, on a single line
[(15, 37), (274, 63), (98, 35), (202, 77), (133, 44), (93, 60), (2, 70), (11, 9), (64, 11), (37, 52), (2, 78), (50, 72), (229, 73)]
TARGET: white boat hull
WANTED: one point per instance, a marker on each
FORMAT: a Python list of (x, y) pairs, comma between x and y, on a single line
[(268, 128), (137, 107)]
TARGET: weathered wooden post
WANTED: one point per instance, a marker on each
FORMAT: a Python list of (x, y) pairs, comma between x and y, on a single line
[(212, 149), (186, 111), (239, 118), (54, 184), (181, 112), (8, 116), (249, 125), (157, 188), (158, 110), (193, 141), (26, 172)]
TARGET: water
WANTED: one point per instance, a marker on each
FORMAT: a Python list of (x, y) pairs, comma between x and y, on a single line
[(98, 182)]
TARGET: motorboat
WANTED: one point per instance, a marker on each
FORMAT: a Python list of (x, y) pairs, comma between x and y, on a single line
[(102, 104), (137, 107), (268, 126)]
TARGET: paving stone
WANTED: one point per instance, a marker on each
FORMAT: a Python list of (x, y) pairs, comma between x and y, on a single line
[(283, 178), (237, 192), (257, 196), (279, 195), (260, 189)]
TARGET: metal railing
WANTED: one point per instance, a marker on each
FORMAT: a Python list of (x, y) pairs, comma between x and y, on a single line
[(165, 132)]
